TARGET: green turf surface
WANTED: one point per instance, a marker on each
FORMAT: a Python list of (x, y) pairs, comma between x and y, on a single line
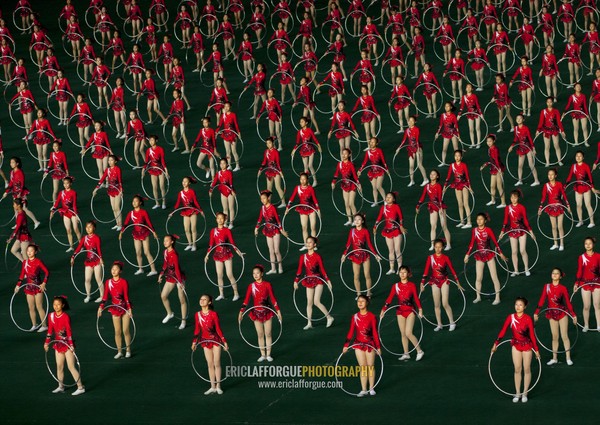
[(157, 384)]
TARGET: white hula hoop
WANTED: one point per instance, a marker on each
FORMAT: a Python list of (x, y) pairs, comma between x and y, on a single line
[(496, 255), (261, 172), (353, 347), (346, 258), (439, 228), (264, 257), (178, 285), (245, 313), (592, 284), (324, 283), (374, 166), (440, 96), (314, 211), (83, 163), (568, 191), (12, 299), (498, 387), (198, 212), (132, 325), (456, 319), (86, 251), (63, 243), (540, 341), (150, 195), (565, 213), (215, 210), (585, 140), (484, 133), (537, 251), (94, 212), (402, 235), (201, 176), (212, 341), (235, 250), (389, 350), (143, 266), (316, 152), (338, 209), (54, 342)]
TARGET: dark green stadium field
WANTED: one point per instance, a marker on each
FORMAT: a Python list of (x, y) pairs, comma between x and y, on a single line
[(158, 384)]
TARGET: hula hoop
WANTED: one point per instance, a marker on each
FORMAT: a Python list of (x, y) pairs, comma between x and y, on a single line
[(258, 187), (586, 116), (53, 94), (239, 64), (201, 176), (283, 74), (564, 150), (236, 250), (325, 111), (332, 141), (88, 19), (508, 168), (448, 91), (52, 230), (509, 63), (83, 163), (537, 249), (93, 210), (54, 342), (90, 97), (348, 17), (542, 78), (365, 37), (431, 322), (496, 255), (119, 64), (505, 18), (187, 299), (472, 76), (312, 41), (484, 131), (564, 71), (201, 234), (360, 71), (271, 48), (432, 28), (338, 368), (299, 67), (119, 13), (130, 68), (550, 349), (289, 18), (518, 105), (402, 235), (565, 213), (396, 167), (314, 210), (374, 166), (44, 197), (19, 11), (536, 48), (215, 210), (496, 385), (438, 43), (239, 141), (265, 257), (266, 308), (85, 251), (212, 341), (260, 24), (560, 29), (376, 117), (178, 25), (383, 72), (67, 44), (589, 186), (12, 299), (73, 120), (324, 283), (151, 195), (206, 17), (132, 324), (133, 141), (143, 266), (342, 211), (473, 203), (486, 185), (389, 350), (346, 258), (316, 152), (594, 18), (241, 103), (262, 119), (440, 97), (592, 284), (439, 228)]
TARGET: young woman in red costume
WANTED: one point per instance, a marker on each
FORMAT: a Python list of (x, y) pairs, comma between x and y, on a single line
[(525, 149), (208, 335), (59, 329), (111, 178), (142, 227), (342, 127), (174, 277), (262, 296), (559, 307), (579, 114), (83, 118), (272, 169), (448, 129), (516, 225), (572, 55), (375, 160), (551, 126), (100, 148), (409, 305), (435, 206), (117, 289), (20, 234), (307, 144), (588, 281), (364, 337), (393, 231), (583, 186), (554, 192), (61, 90), (550, 71), (26, 105), (524, 77), (223, 182), (16, 187), (154, 164), (461, 184), (313, 280), (486, 249), (358, 250), (272, 109), (94, 262), (148, 89), (229, 130), (523, 342), (66, 205), (177, 114), (208, 148), (440, 266), (304, 97), (349, 183), (34, 272), (497, 169), (221, 240), (401, 99), (271, 230), (42, 135), (369, 114), (190, 208), (431, 89), (308, 207), (137, 132)]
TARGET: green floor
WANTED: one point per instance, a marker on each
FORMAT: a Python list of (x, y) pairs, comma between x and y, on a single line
[(158, 385)]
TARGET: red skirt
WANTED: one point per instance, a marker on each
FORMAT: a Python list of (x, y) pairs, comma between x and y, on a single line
[(484, 256), (555, 314), (140, 233), (260, 314), (439, 282), (222, 254), (31, 290), (391, 232), (554, 210), (348, 186), (304, 210), (359, 257), (117, 311), (311, 282), (375, 172), (306, 150), (270, 230), (523, 346), (188, 212)]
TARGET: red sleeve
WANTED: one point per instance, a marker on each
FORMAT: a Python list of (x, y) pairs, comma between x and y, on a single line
[(542, 300), (246, 298), (504, 329), (565, 295), (375, 333), (218, 327), (350, 332), (451, 267), (51, 331), (22, 275), (472, 243), (45, 271), (272, 298), (415, 296)]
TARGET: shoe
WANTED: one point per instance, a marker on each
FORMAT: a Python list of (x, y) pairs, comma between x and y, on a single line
[(492, 202), (156, 207), (524, 399), (210, 391), (280, 271), (501, 206), (282, 205), (70, 249), (36, 225), (362, 394), (442, 164), (476, 300), (175, 149), (59, 389), (410, 184), (193, 248), (516, 399), (235, 298), (579, 224), (168, 317), (302, 249), (314, 183), (330, 320), (372, 392), (187, 248), (448, 247), (230, 226), (114, 227), (420, 355), (164, 206), (272, 271), (496, 302), (437, 328), (374, 204), (219, 391), (478, 89), (182, 325), (551, 362), (138, 272), (460, 225), (307, 327), (348, 223), (237, 168), (219, 298), (553, 247), (42, 329), (467, 226), (514, 274), (570, 362), (128, 354), (98, 300), (404, 357), (562, 248), (424, 183), (87, 299), (118, 355), (261, 359), (527, 273), (185, 151), (585, 329), (519, 183), (152, 273), (591, 225), (269, 358), (452, 327), (78, 391)]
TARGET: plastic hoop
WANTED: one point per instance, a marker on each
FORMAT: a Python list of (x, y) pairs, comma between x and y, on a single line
[(212, 341), (352, 347), (499, 174), (565, 213), (456, 319), (389, 350), (376, 117), (143, 266), (150, 195), (54, 342), (402, 235), (518, 105), (215, 210), (374, 166), (472, 206), (244, 314), (42, 194), (564, 150), (132, 325), (260, 172), (550, 349), (85, 251), (72, 123), (438, 92), (537, 248), (333, 190), (346, 258), (318, 152), (94, 212), (314, 211), (324, 283), (360, 71), (486, 294), (508, 167), (571, 113), (510, 63), (83, 156), (210, 279), (589, 186), (439, 228), (201, 234), (498, 387), (60, 242), (12, 299), (201, 176), (266, 258), (536, 48)]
